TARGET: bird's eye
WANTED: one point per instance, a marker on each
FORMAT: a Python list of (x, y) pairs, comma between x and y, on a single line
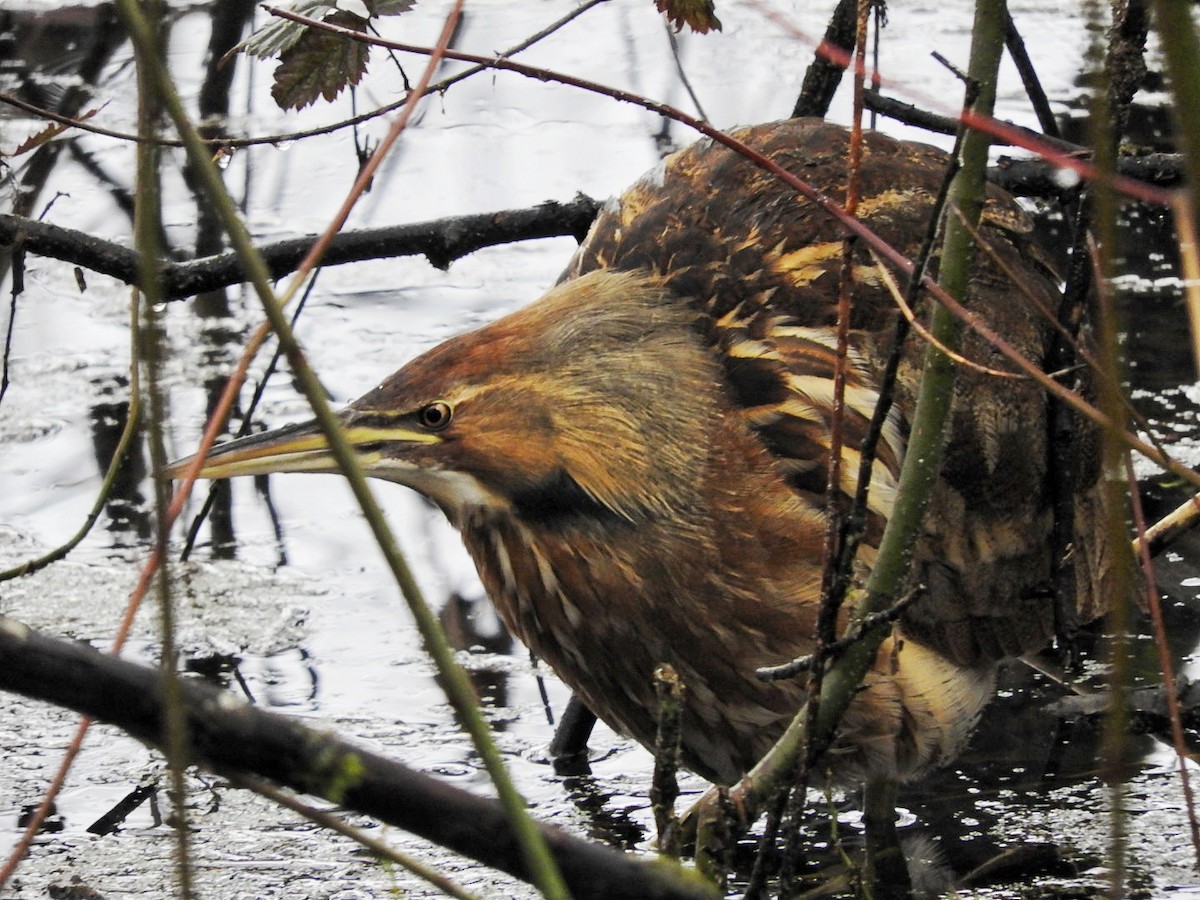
[(435, 416)]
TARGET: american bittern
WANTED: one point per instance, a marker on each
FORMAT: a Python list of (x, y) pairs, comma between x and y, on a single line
[(637, 462)]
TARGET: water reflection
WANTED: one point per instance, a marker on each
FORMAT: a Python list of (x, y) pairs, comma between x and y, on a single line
[(471, 625), (611, 817), (52, 58), (128, 516)]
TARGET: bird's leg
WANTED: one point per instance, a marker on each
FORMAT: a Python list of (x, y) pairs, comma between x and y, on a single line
[(886, 872), (569, 747)]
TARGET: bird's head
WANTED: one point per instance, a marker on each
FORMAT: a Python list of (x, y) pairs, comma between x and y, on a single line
[(596, 399)]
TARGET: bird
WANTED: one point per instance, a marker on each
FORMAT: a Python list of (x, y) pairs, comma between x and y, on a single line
[(638, 461)]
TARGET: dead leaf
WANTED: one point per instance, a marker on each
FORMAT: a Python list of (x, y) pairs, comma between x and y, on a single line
[(698, 15), (47, 134)]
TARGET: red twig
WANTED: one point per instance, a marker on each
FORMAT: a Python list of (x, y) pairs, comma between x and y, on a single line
[(1004, 131)]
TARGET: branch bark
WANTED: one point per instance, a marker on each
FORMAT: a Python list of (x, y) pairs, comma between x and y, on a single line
[(441, 241), (832, 57)]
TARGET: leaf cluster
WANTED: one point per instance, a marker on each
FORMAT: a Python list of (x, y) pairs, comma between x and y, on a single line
[(313, 63), (316, 64)]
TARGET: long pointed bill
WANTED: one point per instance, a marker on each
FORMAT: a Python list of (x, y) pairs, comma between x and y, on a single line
[(300, 448)]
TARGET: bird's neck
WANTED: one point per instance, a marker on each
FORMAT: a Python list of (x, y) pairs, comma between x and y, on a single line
[(559, 555)]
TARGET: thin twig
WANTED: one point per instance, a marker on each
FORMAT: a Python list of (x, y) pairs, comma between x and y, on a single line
[(289, 137), (17, 288), (914, 323), (150, 246), (1189, 258), (673, 39), (1029, 78), (940, 124), (1158, 537), (841, 645), (832, 590), (664, 787)]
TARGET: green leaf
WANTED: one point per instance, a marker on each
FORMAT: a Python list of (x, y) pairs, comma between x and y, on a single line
[(319, 64), (698, 15), (390, 7), (282, 34), (315, 64)]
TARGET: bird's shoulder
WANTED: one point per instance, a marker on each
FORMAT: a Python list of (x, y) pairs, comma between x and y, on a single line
[(760, 263), (723, 232)]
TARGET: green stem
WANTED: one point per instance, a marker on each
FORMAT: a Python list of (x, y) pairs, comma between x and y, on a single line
[(923, 455), (458, 687), (132, 422), (148, 231), (1105, 138)]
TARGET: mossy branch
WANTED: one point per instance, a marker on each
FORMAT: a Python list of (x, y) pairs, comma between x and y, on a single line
[(239, 740), (923, 455)]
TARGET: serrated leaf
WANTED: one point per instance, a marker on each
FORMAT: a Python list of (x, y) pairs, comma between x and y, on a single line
[(47, 134), (320, 65), (354, 7), (390, 7), (282, 34), (698, 15)]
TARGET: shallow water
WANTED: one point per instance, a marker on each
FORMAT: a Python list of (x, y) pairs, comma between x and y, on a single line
[(325, 636)]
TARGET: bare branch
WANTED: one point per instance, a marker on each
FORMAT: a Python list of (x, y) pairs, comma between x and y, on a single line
[(441, 241)]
